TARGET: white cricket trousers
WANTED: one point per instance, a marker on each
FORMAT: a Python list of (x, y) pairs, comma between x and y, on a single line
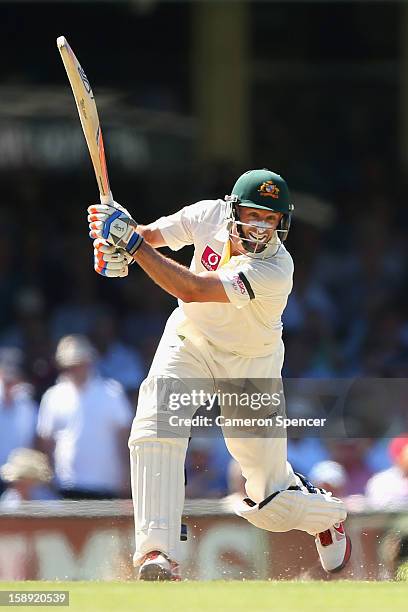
[(157, 459)]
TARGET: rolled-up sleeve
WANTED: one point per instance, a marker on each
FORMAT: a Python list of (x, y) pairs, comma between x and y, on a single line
[(178, 229), (237, 287), (256, 280)]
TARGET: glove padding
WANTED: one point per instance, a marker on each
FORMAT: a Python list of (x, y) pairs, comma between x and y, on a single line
[(109, 261), (115, 225)]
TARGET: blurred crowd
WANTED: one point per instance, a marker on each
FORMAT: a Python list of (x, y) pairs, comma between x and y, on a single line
[(74, 347)]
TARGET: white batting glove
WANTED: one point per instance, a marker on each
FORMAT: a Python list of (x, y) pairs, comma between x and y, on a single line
[(114, 224), (109, 261)]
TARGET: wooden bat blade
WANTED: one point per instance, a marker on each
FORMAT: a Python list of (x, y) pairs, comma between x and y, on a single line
[(88, 114)]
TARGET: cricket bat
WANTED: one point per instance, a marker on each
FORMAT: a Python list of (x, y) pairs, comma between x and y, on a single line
[(88, 114)]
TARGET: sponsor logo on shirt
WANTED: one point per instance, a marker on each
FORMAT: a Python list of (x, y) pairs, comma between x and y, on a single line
[(238, 285), (210, 259)]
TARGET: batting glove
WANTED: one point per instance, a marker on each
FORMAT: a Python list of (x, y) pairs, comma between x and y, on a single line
[(109, 261), (114, 224)]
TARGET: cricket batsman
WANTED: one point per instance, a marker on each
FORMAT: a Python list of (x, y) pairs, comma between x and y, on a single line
[(227, 326)]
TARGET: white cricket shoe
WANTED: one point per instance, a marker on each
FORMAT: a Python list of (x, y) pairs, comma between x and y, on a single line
[(156, 566), (334, 548)]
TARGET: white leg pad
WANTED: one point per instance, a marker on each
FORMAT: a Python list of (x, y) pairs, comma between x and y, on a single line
[(157, 475), (295, 509)]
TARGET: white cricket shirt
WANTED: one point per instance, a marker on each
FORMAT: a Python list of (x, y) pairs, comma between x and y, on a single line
[(258, 289), (84, 423)]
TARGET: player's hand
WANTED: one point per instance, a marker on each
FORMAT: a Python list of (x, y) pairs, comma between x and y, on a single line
[(110, 261), (114, 224)]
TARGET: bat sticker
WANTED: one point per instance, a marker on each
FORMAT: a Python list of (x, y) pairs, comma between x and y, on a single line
[(85, 81)]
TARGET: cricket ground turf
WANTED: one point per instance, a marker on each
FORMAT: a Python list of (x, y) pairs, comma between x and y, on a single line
[(219, 596)]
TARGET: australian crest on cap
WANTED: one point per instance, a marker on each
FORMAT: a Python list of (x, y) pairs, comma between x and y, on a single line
[(269, 189)]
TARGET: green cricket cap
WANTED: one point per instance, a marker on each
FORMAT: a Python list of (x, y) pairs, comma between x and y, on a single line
[(263, 189)]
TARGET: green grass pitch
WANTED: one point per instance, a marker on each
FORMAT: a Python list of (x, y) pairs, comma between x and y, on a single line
[(218, 596)]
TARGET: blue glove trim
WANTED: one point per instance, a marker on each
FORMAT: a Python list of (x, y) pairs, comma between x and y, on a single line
[(108, 223), (134, 243)]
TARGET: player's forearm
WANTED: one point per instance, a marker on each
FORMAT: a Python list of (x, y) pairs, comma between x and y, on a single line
[(168, 274), (113, 225), (152, 235)]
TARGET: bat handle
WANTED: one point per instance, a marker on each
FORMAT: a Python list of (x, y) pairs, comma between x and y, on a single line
[(107, 199)]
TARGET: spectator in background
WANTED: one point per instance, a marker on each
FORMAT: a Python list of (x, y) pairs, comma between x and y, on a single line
[(28, 475), (388, 490), (9, 280), (148, 308), (304, 449), (351, 453), (76, 310), (83, 425), (206, 468), (18, 411), (331, 476), (29, 332), (308, 295), (115, 358)]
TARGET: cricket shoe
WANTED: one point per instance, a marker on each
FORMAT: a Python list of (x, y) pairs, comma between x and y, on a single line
[(157, 567), (334, 548)]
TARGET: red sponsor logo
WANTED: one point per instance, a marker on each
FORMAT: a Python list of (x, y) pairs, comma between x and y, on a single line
[(238, 285), (210, 259)]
